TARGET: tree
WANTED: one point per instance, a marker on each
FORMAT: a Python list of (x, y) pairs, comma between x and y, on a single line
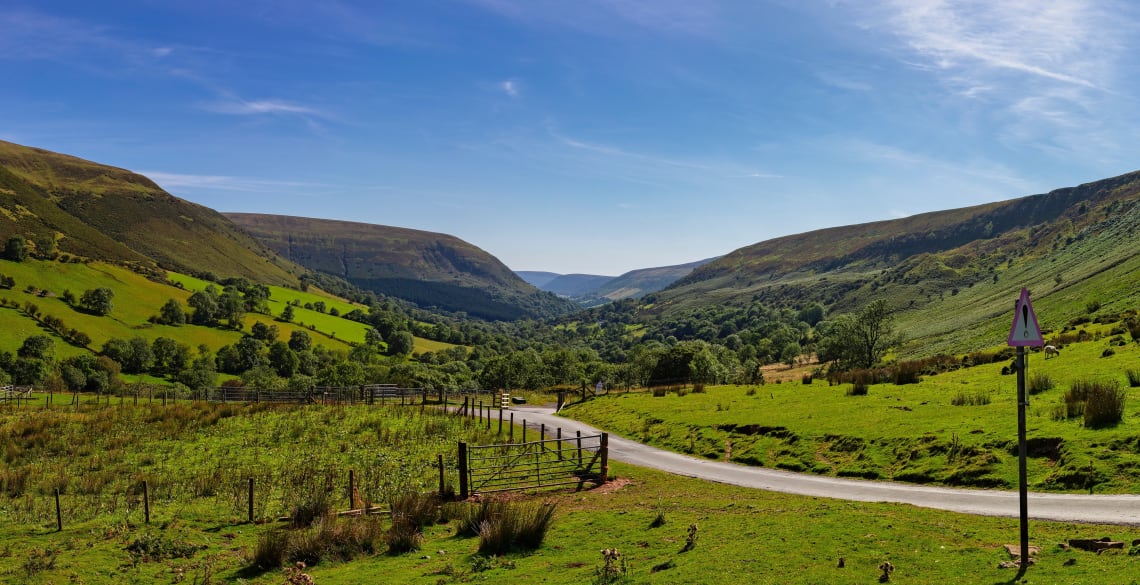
[(36, 347), (97, 300), (171, 313), (861, 340), (287, 314), (300, 341), (205, 305), (790, 353), (283, 360), (170, 356), (16, 249), (402, 344), (704, 368), (263, 332)]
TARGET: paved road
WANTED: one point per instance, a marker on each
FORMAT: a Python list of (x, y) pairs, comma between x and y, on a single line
[(1106, 509)]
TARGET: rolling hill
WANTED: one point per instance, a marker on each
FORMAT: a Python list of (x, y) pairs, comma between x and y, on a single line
[(638, 283), (952, 275), (111, 214), (576, 285), (537, 278), (430, 269)]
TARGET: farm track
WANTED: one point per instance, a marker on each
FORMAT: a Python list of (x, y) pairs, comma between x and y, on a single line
[(1100, 509)]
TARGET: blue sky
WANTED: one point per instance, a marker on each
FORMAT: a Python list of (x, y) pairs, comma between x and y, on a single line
[(593, 136)]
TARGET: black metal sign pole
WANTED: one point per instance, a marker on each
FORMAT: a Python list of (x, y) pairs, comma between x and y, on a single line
[(1021, 451)]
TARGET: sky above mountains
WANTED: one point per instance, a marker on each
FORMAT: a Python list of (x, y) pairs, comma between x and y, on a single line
[(589, 136)]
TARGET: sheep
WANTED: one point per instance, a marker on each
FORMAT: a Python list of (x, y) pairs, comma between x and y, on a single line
[(1052, 351)]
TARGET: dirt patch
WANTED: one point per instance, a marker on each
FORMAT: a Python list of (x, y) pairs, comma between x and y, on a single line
[(612, 486)]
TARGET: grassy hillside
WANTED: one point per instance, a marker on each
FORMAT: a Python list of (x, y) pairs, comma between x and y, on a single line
[(957, 428), (638, 283), (427, 268), (953, 275), (198, 531), (110, 214), (136, 300)]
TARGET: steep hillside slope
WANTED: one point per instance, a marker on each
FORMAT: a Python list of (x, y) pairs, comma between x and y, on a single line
[(576, 285), (112, 214), (427, 268), (638, 283), (537, 278), (951, 274)]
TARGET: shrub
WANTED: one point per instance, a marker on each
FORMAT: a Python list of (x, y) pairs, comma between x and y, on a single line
[(1133, 378), (857, 388), (806, 379), (1104, 405), (1039, 383)]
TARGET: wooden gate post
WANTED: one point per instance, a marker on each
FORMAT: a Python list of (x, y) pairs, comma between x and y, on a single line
[(351, 489), (511, 430), (560, 443), (579, 433), (250, 500), (500, 422), (58, 514), (605, 457), (463, 471)]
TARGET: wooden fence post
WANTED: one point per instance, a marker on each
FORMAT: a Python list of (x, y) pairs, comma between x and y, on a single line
[(463, 471), (579, 448), (58, 514), (250, 500), (500, 422), (439, 460), (605, 457), (146, 501), (351, 489), (560, 443), (524, 430), (511, 430)]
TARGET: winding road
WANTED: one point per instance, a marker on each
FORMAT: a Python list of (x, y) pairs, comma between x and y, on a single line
[(1101, 509)]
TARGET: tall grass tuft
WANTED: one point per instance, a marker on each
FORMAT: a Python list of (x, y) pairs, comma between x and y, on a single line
[(1039, 383), (858, 388), (1133, 378), (1104, 404), (908, 373), (335, 539), (310, 508), (411, 512), (269, 554), (517, 526), (979, 398)]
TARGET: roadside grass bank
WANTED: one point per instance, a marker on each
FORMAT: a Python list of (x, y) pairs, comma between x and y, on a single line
[(957, 428)]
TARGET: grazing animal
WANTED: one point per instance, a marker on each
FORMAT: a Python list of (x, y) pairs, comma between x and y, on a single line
[(1052, 351)]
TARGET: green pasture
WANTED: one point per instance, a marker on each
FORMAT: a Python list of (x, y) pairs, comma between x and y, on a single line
[(196, 459), (906, 433)]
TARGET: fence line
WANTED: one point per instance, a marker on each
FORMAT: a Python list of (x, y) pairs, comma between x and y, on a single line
[(546, 462)]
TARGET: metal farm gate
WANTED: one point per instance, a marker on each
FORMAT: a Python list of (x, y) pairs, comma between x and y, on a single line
[(535, 464)]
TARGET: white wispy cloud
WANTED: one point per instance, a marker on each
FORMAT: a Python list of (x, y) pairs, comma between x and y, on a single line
[(1066, 41), (613, 17), (988, 171), (174, 181), (510, 87), (256, 107)]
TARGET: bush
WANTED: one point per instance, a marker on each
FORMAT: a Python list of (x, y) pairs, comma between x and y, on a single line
[(806, 379), (1133, 378), (1104, 404), (858, 388), (1039, 383)]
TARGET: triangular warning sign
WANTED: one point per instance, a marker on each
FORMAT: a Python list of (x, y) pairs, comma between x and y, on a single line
[(1025, 331)]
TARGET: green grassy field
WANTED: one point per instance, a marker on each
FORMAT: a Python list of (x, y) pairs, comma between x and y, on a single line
[(196, 458), (907, 433)]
